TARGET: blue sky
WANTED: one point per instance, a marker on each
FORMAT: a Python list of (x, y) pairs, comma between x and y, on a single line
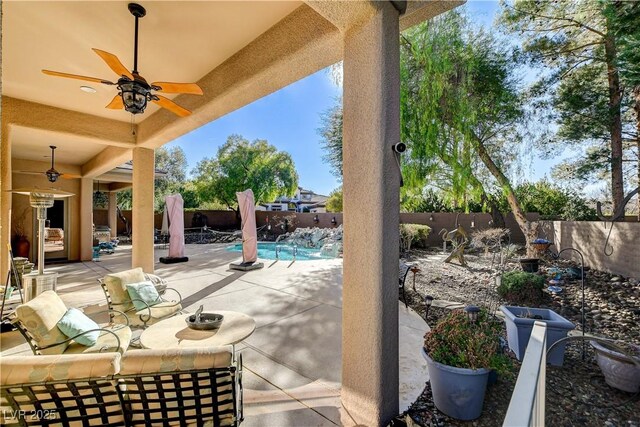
[(289, 120)]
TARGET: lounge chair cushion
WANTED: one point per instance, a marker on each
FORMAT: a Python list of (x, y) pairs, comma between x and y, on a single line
[(116, 284), (40, 318), (143, 294), (22, 370), (106, 343), (158, 312), (75, 322)]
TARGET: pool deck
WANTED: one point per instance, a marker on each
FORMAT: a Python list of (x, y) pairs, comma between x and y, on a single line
[(292, 360)]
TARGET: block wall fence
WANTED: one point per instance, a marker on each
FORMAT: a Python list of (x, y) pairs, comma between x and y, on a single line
[(586, 236)]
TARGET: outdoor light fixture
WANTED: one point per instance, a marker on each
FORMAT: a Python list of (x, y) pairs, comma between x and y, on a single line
[(431, 217), (135, 94), (333, 221), (473, 221), (428, 300), (316, 219), (472, 313), (52, 174)]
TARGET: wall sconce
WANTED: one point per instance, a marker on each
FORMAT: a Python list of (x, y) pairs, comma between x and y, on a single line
[(472, 313), (333, 221), (490, 222), (316, 219), (431, 217), (268, 225), (428, 300), (473, 221)]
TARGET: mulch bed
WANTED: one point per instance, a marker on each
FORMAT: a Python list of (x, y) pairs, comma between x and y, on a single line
[(576, 394)]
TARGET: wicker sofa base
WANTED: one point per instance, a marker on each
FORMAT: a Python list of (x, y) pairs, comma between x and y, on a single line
[(142, 388)]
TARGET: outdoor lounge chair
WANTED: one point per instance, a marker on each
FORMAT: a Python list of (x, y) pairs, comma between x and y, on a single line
[(114, 286), (37, 321), (191, 387)]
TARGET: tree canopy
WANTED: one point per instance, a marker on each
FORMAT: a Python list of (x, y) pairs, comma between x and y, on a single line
[(576, 42), (240, 165)]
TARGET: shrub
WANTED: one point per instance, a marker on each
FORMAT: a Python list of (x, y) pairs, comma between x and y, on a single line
[(455, 341), (413, 235), (518, 287)]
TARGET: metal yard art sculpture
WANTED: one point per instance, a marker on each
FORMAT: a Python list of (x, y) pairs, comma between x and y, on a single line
[(459, 240)]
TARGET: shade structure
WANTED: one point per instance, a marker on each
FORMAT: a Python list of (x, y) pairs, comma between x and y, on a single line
[(247, 208), (174, 204)]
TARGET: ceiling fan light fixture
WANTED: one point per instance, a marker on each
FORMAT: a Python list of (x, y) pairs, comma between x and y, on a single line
[(134, 96), (52, 175)]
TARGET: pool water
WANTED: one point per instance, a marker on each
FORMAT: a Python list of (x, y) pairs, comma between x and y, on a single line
[(267, 250)]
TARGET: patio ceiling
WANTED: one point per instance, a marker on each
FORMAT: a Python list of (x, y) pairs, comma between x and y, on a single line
[(177, 43)]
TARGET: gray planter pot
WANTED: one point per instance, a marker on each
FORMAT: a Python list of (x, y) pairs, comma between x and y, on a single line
[(619, 371), (457, 392), (519, 330)]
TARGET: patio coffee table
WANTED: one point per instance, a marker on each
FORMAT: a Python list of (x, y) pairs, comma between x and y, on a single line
[(174, 332)]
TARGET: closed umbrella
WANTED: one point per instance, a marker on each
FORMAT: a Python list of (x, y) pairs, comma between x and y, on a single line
[(174, 205), (247, 208)]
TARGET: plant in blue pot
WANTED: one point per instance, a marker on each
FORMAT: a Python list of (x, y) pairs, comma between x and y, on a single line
[(461, 351)]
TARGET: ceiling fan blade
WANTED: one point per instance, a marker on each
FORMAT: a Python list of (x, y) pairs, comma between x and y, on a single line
[(114, 63), (70, 176), (171, 106), (169, 87), (116, 103), (29, 172), (77, 77)]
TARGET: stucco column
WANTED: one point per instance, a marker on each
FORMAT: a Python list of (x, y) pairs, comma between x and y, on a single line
[(5, 200), (371, 218), (86, 219), (112, 214), (142, 212)]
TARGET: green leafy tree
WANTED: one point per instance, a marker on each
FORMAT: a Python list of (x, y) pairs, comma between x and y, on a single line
[(331, 132), (461, 101), (574, 39), (334, 202), (625, 19), (553, 202), (241, 165)]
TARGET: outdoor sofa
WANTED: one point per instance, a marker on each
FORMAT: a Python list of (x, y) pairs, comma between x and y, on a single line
[(172, 387)]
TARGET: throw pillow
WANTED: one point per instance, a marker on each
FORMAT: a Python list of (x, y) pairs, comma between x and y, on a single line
[(144, 291), (75, 322)]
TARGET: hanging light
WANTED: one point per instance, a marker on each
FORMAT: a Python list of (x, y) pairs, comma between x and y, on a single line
[(52, 174), (135, 94)]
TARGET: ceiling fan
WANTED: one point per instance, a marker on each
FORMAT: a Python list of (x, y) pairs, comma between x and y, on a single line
[(134, 91), (52, 174)]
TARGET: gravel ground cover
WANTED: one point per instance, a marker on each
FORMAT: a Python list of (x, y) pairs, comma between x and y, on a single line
[(576, 393)]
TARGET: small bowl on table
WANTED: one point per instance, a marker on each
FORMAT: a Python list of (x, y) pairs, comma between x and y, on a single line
[(207, 321)]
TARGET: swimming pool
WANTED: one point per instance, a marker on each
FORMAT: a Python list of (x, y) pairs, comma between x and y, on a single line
[(267, 250)]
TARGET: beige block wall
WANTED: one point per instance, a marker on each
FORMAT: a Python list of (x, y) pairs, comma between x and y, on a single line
[(589, 237)]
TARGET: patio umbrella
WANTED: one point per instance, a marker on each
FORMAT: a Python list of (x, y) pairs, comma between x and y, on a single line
[(174, 205), (165, 221), (249, 234)]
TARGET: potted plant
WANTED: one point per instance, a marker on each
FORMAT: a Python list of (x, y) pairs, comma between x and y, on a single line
[(460, 354), (519, 322), (619, 363), (20, 244)]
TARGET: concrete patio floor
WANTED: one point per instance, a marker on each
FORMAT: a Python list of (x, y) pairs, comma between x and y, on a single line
[(292, 361)]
